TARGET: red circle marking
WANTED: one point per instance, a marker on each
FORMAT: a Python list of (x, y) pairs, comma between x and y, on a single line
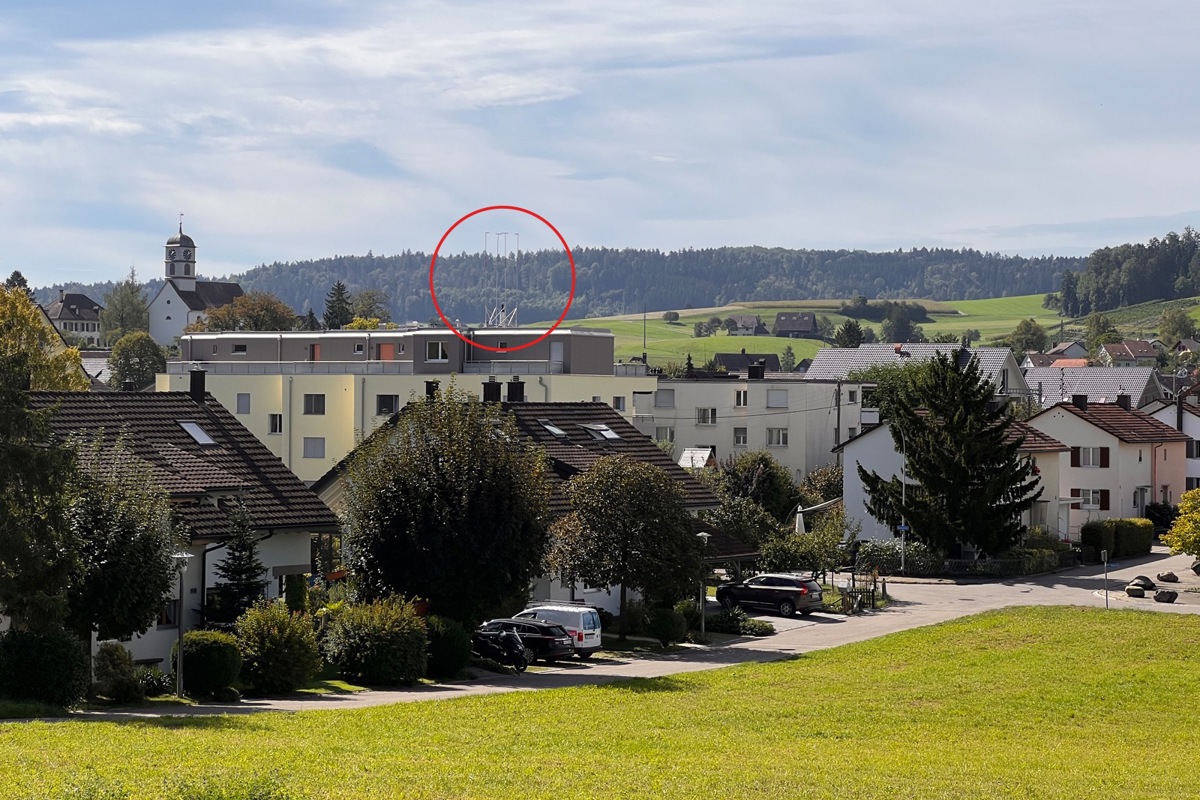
[(433, 263)]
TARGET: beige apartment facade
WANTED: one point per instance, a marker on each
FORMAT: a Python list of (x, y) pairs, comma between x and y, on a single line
[(310, 397)]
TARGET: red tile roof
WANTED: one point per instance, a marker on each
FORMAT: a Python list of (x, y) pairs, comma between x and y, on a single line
[(1128, 426)]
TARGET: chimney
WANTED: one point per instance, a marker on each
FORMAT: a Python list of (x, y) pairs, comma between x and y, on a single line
[(62, 295), (491, 390), (1079, 401), (1123, 401), (755, 372), (743, 351), (130, 386), (516, 390), (431, 389), (196, 389)]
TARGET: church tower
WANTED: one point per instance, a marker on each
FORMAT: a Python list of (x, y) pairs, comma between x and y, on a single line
[(180, 261)]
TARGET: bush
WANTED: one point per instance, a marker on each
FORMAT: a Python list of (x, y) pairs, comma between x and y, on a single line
[(155, 682), (1099, 536), (449, 646), (634, 621), (380, 643), (883, 556), (47, 667), (1038, 538), (279, 648), (116, 677), (295, 593), (1132, 537), (666, 625), (1162, 514), (735, 621), (211, 659), (608, 622), (690, 610)]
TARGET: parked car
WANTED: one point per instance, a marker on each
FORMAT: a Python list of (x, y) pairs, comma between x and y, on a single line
[(544, 640), (782, 592), (581, 622)]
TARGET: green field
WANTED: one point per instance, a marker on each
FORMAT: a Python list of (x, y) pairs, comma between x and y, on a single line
[(1034, 702)]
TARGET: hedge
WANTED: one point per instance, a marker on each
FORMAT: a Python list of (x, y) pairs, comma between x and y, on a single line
[(1121, 537)]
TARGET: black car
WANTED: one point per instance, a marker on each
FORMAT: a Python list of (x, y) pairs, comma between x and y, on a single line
[(544, 640), (780, 592)]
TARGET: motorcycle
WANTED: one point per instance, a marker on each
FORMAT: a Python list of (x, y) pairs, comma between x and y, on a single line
[(503, 647)]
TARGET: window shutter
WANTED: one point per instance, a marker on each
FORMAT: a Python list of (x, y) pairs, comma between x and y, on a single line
[(1076, 492), (1104, 457), (1104, 499), (1075, 458)]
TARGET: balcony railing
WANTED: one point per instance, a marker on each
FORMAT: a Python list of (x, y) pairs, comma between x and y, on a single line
[(513, 368), (293, 367)]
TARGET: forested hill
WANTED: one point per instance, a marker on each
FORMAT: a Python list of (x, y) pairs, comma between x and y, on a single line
[(610, 281), (1162, 269)]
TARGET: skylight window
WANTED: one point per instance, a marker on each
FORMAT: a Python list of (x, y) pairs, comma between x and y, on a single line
[(599, 431), (552, 428), (197, 433)]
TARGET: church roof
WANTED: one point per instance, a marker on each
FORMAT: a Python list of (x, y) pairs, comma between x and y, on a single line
[(210, 294), (181, 239)]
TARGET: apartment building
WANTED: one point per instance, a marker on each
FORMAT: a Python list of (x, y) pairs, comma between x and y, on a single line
[(311, 396)]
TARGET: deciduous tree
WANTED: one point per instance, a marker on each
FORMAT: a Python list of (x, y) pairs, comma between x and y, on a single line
[(252, 311), (28, 342), (628, 527), (1176, 324), (372, 304), (136, 358), (969, 484), (1028, 337), (448, 505)]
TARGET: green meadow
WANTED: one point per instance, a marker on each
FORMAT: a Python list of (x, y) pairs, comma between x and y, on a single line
[(1030, 702)]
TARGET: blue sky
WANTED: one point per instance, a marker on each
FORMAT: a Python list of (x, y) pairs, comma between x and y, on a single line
[(305, 129)]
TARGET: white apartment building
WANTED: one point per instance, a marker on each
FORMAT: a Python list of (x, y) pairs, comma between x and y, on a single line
[(311, 396), (798, 421)]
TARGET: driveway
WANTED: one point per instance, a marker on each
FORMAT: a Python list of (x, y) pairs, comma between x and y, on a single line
[(916, 604)]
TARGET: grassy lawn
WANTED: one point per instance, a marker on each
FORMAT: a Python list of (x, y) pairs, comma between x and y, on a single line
[(1042, 702)]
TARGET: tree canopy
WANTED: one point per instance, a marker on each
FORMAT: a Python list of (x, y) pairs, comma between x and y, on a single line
[(252, 311), (136, 358), (125, 310), (339, 306), (1176, 324), (1184, 535), (449, 505), (29, 342), (628, 527), (969, 484)]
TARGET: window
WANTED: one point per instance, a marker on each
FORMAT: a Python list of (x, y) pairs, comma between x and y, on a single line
[(314, 404), (596, 399), (599, 431), (436, 351), (358, 348), (739, 437), (1089, 498), (239, 349), (706, 416), (1089, 456), (664, 433), (314, 446), (1192, 483), (777, 398), (214, 343), (618, 403), (275, 423), (851, 433), (243, 402), (502, 345), (852, 396), (386, 404), (777, 437), (741, 398), (168, 615), (197, 433), (664, 398), (552, 429)]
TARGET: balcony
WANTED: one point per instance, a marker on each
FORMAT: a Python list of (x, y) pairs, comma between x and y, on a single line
[(292, 367), (508, 367)]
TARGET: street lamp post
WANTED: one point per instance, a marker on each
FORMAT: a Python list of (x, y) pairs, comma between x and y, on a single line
[(903, 496), (181, 564), (703, 536)]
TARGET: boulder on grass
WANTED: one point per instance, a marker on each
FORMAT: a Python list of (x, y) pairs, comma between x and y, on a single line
[(1142, 581), (1135, 591), (1167, 577), (1165, 596)]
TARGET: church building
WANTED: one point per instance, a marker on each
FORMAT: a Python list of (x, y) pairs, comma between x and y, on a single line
[(184, 298)]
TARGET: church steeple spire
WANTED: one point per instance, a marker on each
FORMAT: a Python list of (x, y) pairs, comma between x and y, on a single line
[(180, 261)]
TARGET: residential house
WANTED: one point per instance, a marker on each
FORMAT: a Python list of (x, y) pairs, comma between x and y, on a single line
[(573, 436), (748, 325), (76, 316), (1129, 353), (797, 421), (309, 396), (1120, 458), (796, 325), (184, 298), (1037, 360), (739, 362), (1051, 385), (876, 452), (698, 458), (1186, 346), (838, 364), (205, 460), (1184, 416), (1068, 350)]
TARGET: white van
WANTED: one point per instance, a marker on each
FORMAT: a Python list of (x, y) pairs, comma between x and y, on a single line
[(582, 622)]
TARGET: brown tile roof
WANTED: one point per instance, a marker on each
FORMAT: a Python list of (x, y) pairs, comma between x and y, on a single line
[(1128, 426), (1034, 440), (1039, 359), (74, 306), (236, 462)]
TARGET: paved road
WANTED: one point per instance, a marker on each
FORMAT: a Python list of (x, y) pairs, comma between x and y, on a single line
[(917, 604)]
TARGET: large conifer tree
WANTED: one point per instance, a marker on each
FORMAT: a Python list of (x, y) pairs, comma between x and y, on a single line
[(241, 571), (968, 482), (339, 307)]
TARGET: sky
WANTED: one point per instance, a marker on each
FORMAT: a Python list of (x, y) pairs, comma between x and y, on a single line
[(310, 128)]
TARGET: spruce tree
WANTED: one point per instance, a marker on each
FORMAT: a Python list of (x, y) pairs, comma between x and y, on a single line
[(339, 307), (968, 482), (240, 572)]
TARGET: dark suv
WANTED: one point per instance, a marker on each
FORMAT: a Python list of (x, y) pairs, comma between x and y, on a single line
[(781, 592), (544, 640)]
